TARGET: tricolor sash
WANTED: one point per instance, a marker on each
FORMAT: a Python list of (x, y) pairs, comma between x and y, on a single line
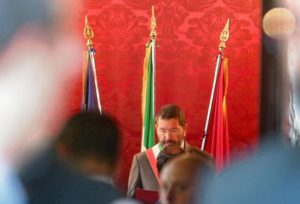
[(152, 158)]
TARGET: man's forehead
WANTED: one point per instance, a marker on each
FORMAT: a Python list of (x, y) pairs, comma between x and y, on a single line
[(167, 120)]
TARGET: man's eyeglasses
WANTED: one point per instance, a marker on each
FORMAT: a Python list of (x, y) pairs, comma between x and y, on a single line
[(170, 131)]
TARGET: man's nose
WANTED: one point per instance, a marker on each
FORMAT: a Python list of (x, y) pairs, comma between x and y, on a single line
[(168, 135)]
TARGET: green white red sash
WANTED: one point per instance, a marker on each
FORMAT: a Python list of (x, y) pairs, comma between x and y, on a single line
[(152, 154)]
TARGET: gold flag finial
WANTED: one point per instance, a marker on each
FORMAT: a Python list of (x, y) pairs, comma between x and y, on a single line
[(224, 36), (153, 25), (88, 33)]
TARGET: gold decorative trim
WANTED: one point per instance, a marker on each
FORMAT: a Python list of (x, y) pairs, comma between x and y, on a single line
[(224, 36), (88, 33)]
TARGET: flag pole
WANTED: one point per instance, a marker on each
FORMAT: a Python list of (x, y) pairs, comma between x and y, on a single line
[(89, 34), (223, 38), (153, 35)]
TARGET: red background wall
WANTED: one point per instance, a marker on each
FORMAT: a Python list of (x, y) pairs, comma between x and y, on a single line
[(188, 38)]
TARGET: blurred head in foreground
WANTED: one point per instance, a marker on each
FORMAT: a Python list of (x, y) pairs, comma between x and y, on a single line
[(79, 166), (180, 176), (91, 142), (35, 57), (36, 54)]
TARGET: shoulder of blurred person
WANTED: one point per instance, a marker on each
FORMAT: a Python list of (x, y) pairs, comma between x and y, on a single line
[(11, 191), (269, 176), (126, 201), (48, 179)]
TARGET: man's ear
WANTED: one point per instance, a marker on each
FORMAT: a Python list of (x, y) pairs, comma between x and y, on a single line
[(155, 123), (184, 129)]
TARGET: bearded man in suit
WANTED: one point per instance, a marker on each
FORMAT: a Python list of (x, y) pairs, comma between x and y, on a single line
[(171, 127)]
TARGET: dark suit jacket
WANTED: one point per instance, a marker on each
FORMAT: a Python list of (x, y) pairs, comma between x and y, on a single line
[(49, 181), (142, 176)]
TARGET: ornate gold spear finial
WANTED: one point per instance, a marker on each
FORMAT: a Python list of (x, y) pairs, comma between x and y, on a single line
[(153, 25), (224, 36), (88, 33)]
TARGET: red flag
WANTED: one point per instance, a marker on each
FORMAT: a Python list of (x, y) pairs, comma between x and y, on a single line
[(218, 137)]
